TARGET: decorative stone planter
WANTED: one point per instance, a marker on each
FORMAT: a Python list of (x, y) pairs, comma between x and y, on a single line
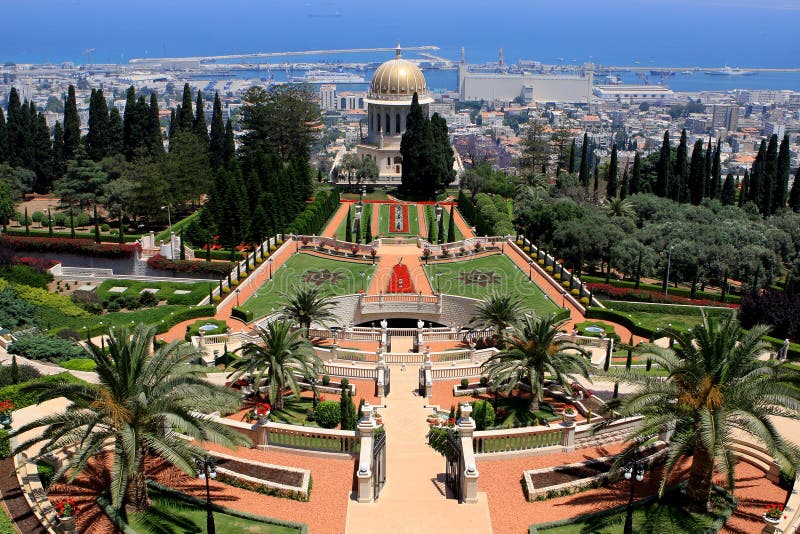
[(5, 420), (772, 524), (67, 524), (569, 418)]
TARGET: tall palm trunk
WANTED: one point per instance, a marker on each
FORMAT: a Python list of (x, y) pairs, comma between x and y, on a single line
[(138, 497), (700, 475), (534, 397)]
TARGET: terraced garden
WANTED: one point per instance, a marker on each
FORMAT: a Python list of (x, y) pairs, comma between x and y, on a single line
[(478, 277), (336, 277)]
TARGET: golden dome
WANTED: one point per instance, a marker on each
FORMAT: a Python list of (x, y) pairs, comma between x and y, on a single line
[(397, 78)]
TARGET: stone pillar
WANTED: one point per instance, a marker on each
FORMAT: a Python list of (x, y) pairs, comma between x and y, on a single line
[(334, 349), (380, 382), (469, 478), (568, 435), (473, 354), (665, 434), (366, 428)]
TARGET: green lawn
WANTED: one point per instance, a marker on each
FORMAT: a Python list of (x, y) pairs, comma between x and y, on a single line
[(663, 320), (166, 290), (79, 364), (385, 216), (172, 515), (342, 278), (377, 194), (149, 316), (446, 215), (503, 275)]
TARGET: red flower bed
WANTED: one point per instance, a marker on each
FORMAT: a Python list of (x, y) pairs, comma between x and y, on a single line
[(37, 264), (647, 295), (159, 262), (398, 210), (81, 247), (400, 281)]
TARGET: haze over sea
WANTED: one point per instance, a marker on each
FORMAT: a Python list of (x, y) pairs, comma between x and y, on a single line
[(710, 33)]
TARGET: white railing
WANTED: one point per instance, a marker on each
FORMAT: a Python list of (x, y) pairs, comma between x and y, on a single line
[(351, 371), (518, 439), (443, 373)]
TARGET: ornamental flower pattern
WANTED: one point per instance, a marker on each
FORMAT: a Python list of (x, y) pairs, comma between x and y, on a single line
[(479, 278), (323, 276), (401, 280)]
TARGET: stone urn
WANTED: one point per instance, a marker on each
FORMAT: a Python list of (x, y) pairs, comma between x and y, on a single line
[(569, 418), (67, 524), (5, 420), (771, 524)]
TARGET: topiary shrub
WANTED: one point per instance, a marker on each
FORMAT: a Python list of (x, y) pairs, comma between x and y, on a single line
[(585, 301), (328, 414), (105, 227), (484, 381), (464, 383), (345, 383), (326, 379), (575, 292), (549, 268), (483, 413), (147, 299)]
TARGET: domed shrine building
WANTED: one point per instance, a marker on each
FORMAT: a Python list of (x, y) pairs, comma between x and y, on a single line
[(388, 104)]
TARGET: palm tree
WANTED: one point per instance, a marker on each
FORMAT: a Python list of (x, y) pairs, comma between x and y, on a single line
[(533, 350), (282, 355), (498, 310), (131, 411), (717, 386), (618, 207), (307, 304)]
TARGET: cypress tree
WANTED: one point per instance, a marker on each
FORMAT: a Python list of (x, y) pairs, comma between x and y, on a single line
[(432, 229), (155, 143), (348, 232), (96, 225), (59, 163), (707, 171), (744, 191), (716, 172), (27, 222), (664, 168), (697, 174), (199, 125), (440, 229), (230, 143), (794, 194), (182, 248), (442, 153), (451, 227), (216, 140), (71, 222), (121, 228), (571, 162), (728, 196), (3, 137), (129, 125), (115, 133), (72, 124), (97, 136), (186, 119), (596, 187), (781, 176), (583, 173), (50, 223), (679, 188), (636, 175), (755, 187), (770, 176), (42, 153), (624, 189), (416, 151), (174, 115), (613, 171), (15, 129), (368, 228)]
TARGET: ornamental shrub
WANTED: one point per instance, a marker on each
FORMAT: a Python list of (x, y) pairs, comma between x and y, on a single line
[(566, 283), (44, 298), (464, 383), (549, 268), (345, 383), (46, 348), (328, 414), (585, 301), (81, 247), (540, 262), (326, 379), (105, 227), (5, 444), (37, 216), (575, 292), (483, 413), (161, 263)]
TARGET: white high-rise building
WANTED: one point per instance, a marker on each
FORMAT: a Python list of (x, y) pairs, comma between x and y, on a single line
[(327, 98)]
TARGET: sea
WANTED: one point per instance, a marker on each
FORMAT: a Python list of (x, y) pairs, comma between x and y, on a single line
[(648, 33)]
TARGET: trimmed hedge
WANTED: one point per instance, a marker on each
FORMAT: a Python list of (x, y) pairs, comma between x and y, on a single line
[(316, 214), (677, 291), (23, 399), (619, 318), (83, 247), (185, 315), (16, 232), (241, 314), (671, 309), (161, 263)]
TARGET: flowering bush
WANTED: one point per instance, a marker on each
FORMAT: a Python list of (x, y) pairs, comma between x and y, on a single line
[(66, 508), (82, 247), (6, 407), (161, 263), (570, 410), (774, 511), (646, 295)]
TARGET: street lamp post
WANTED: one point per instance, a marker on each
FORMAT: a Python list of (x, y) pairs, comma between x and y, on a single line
[(363, 275), (205, 471), (270, 268), (563, 299), (438, 287), (237, 298), (530, 270), (669, 264), (313, 382), (633, 471), (169, 222)]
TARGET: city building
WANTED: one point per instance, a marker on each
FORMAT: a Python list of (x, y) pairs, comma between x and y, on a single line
[(388, 104), (725, 116), (633, 93), (327, 97)]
